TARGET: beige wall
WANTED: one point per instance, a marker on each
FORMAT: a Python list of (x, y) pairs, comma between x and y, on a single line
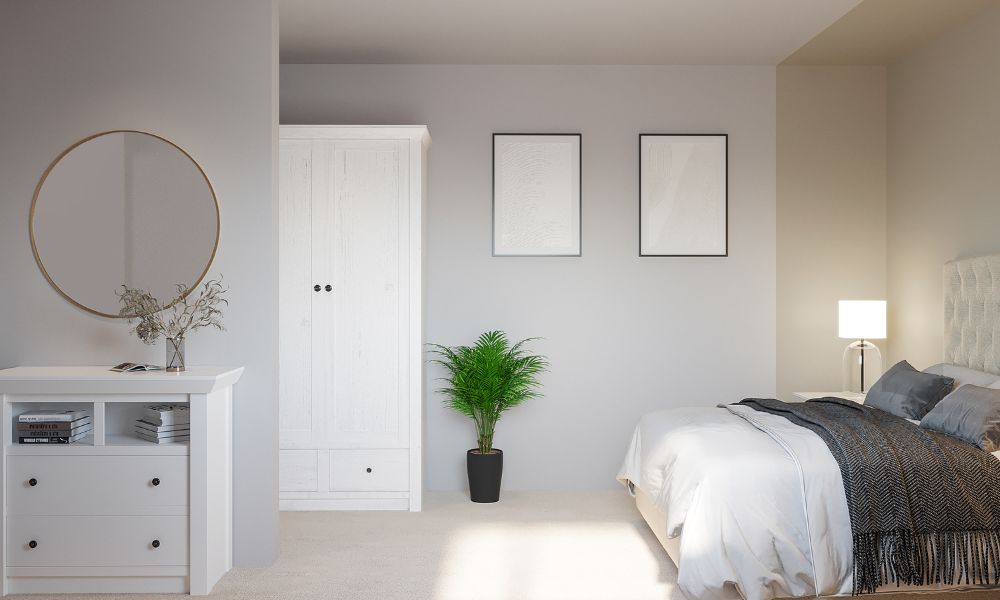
[(944, 175), (831, 220)]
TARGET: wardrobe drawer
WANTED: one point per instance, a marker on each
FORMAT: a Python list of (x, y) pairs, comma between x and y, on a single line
[(97, 541), (97, 485), (369, 470)]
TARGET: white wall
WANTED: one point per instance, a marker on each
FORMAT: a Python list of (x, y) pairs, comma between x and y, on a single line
[(203, 75), (831, 214), (625, 334), (944, 176)]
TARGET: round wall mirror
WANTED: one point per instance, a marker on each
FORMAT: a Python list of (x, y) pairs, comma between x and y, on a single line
[(123, 208)]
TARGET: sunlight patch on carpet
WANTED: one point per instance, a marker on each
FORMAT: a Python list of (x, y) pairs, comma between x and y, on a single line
[(578, 560)]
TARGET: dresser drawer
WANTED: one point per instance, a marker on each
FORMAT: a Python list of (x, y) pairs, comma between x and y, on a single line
[(97, 541), (97, 485), (369, 470)]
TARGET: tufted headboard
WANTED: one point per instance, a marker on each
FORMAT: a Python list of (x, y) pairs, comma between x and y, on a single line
[(972, 313)]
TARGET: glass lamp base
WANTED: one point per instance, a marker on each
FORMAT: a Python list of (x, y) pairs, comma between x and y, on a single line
[(862, 366)]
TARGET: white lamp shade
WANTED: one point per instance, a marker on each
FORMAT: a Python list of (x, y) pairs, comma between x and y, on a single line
[(862, 319)]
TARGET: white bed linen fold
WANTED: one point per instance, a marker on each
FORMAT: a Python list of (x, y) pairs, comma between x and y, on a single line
[(747, 515)]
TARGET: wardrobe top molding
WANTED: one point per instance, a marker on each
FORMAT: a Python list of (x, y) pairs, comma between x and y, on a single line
[(360, 132), (99, 380)]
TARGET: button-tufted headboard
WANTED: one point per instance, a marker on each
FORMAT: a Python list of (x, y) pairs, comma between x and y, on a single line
[(972, 313)]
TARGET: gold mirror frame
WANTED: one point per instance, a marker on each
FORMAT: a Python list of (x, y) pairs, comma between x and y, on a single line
[(38, 189)]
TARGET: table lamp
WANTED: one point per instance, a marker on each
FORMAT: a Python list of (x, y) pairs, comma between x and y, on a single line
[(861, 320)]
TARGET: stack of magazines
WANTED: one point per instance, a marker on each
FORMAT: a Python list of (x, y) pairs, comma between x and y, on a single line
[(165, 424), (53, 426)]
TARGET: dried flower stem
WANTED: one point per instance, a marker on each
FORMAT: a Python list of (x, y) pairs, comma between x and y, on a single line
[(147, 315)]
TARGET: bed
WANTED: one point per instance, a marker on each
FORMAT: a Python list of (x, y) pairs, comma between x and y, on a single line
[(764, 514)]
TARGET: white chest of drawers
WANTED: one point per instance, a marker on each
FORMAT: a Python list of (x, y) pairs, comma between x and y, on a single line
[(113, 513)]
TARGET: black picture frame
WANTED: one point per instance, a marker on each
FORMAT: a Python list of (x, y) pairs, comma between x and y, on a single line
[(725, 138), (493, 192)]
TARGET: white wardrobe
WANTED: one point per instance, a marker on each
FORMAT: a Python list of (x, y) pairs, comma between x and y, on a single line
[(351, 208)]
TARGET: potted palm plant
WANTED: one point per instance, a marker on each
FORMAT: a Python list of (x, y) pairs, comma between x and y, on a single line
[(483, 382)]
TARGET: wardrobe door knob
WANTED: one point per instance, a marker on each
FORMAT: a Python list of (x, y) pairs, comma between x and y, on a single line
[(32, 544), (329, 287), (155, 481), (155, 543), (316, 287), (368, 470), (32, 482)]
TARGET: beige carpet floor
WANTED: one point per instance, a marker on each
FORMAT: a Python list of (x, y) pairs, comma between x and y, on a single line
[(530, 546)]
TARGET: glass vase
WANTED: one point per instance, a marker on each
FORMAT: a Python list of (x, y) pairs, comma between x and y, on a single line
[(175, 355)]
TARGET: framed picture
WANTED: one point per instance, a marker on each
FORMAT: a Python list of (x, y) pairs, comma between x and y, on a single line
[(683, 194), (536, 194)]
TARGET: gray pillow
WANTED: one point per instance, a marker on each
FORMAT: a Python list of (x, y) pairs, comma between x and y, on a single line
[(908, 393), (963, 375), (970, 413)]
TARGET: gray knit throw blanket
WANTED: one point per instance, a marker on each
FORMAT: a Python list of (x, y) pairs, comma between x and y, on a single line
[(924, 506)]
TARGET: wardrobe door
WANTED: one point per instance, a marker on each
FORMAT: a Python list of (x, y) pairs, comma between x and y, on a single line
[(295, 294), (360, 367)]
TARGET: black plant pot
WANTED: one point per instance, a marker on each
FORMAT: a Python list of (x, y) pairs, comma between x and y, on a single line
[(485, 472)]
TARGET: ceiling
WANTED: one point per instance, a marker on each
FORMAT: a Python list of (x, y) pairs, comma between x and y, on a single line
[(880, 32), (620, 32)]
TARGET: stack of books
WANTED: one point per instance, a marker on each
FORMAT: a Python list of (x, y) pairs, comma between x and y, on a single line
[(53, 426), (165, 424)]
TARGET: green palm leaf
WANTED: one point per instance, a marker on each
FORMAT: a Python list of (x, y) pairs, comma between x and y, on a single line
[(487, 379)]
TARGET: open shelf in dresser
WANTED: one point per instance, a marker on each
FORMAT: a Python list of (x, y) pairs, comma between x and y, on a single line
[(113, 421)]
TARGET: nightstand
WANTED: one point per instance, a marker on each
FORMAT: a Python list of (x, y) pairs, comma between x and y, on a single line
[(853, 396)]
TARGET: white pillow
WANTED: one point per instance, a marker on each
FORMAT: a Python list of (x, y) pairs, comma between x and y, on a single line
[(963, 375)]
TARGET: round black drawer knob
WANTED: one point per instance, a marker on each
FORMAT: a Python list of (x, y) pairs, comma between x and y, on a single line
[(316, 287), (368, 470), (328, 288), (32, 544), (32, 482), (155, 543), (155, 481)]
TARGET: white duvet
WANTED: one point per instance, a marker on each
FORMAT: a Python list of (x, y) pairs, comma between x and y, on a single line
[(760, 502)]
